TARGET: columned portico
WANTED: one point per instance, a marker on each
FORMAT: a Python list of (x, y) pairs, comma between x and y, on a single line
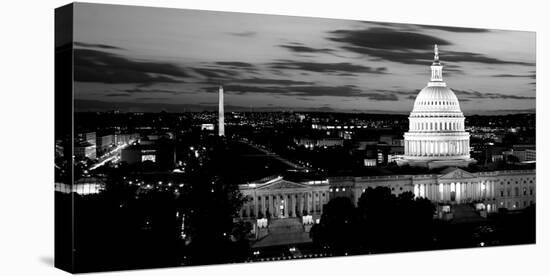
[(280, 198)]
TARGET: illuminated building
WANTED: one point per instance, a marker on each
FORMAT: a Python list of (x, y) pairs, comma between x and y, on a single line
[(436, 136), (84, 149), (161, 153)]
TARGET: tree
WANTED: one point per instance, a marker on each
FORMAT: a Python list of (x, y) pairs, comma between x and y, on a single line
[(337, 230), (381, 222)]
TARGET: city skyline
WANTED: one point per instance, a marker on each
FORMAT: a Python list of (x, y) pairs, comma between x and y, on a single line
[(274, 63)]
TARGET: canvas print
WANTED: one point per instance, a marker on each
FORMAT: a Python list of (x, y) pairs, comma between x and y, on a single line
[(188, 137)]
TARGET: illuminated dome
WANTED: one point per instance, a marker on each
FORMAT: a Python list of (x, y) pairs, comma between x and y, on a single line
[(436, 136), (436, 98)]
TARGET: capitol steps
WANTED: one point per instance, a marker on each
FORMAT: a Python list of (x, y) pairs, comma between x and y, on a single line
[(465, 213), (284, 231)]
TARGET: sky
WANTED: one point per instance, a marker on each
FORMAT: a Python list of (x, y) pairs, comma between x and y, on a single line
[(152, 59)]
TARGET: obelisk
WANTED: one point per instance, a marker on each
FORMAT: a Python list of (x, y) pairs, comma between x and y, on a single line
[(221, 123)]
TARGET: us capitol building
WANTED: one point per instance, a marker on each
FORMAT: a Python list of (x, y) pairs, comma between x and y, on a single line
[(436, 136), (436, 140)]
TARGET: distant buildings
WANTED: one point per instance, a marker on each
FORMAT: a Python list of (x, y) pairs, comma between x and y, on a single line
[(104, 143), (312, 143), (89, 137), (126, 138), (82, 186), (85, 145), (523, 153), (209, 127), (161, 153), (84, 149)]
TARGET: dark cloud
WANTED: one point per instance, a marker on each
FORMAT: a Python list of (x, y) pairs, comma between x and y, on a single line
[(342, 67), (454, 29), (426, 57), (269, 81), (235, 64), (104, 67), (475, 57), (453, 69), (215, 73), (244, 34), (100, 46), (401, 56), (386, 39), (399, 92), (406, 47), (151, 91), (532, 76), (151, 98), (300, 48), (381, 97), (478, 95), (117, 95)]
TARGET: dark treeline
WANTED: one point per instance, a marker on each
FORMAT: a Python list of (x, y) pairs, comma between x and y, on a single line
[(381, 222)]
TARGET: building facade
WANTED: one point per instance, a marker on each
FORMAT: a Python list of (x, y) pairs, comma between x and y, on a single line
[(279, 198), (512, 190), (488, 191)]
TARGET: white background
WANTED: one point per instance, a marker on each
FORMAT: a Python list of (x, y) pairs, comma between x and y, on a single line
[(26, 133)]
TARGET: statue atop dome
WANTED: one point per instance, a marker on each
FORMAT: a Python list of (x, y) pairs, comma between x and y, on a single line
[(436, 53)]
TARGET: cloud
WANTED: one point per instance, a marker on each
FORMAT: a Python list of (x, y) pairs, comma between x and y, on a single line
[(151, 98), (117, 95), (479, 58), (478, 95), (308, 91), (386, 39), (381, 97), (406, 46), (401, 56), (342, 67), (215, 72), (244, 34), (532, 76), (100, 46), (269, 81), (98, 66), (454, 29), (235, 64), (300, 48), (151, 91)]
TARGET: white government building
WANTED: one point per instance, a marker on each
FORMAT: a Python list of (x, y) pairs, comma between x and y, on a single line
[(436, 136), (436, 139)]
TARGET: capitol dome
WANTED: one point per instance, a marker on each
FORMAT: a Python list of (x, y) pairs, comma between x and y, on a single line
[(436, 136), (436, 98)]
